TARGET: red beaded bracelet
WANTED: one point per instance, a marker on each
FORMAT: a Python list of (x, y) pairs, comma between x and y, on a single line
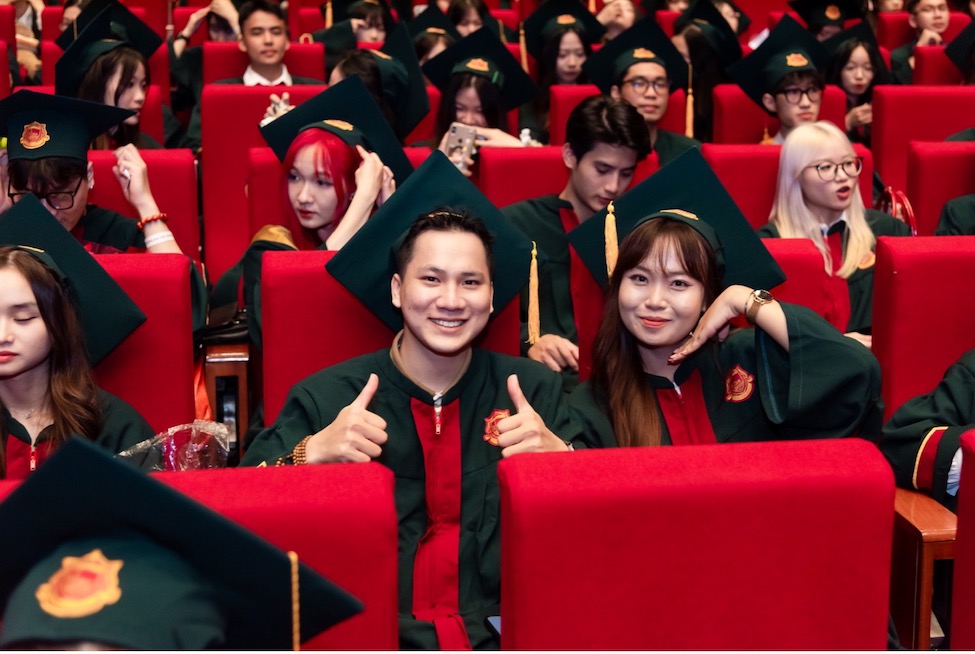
[(151, 219)]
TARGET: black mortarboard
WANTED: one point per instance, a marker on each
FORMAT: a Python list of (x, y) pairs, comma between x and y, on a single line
[(960, 48), (348, 111), (789, 48), (820, 13), (552, 15), (644, 42), (107, 314), (402, 78), (686, 189), (432, 20), (113, 27), (39, 125), (482, 53), (123, 559), (717, 32), (861, 32), (366, 264)]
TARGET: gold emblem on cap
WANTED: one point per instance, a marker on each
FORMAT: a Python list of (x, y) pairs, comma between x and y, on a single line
[(436, 30), (478, 64), (565, 19), (35, 135), (796, 60), (832, 12), (339, 124), (381, 54), (681, 213), (83, 586), (643, 53)]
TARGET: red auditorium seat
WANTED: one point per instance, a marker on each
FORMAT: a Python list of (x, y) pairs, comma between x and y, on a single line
[(153, 368), (8, 31), (937, 172), (311, 321), (739, 120), (914, 352), (225, 61), (172, 178), (734, 546), (4, 79), (304, 20), (894, 30), (340, 520), (963, 586), (230, 115), (805, 274), (911, 113), (508, 17), (564, 99), (153, 14), (181, 16), (931, 66), (509, 175), (749, 172)]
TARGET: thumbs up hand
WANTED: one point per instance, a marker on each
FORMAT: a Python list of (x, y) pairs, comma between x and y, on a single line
[(525, 431), (355, 435)]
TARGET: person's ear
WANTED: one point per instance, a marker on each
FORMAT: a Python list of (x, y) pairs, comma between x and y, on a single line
[(912, 21), (768, 101), (240, 42), (91, 176), (614, 92), (569, 157), (394, 288), (492, 297)]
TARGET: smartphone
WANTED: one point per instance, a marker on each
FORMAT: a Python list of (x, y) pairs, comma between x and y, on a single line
[(460, 143)]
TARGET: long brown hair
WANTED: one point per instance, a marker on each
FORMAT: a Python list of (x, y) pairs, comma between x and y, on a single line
[(74, 396), (93, 86), (617, 371)]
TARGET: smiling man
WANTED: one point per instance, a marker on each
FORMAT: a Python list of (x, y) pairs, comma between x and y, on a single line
[(605, 139), (437, 411)]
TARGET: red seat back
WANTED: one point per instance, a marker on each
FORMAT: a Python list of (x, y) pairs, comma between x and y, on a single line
[(739, 120), (151, 12), (564, 99), (963, 583), (230, 114), (902, 114), (304, 20), (181, 16), (153, 368), (172, 176), (4, 79), (508, 175), (894, 28), (805, 274), (8, 29), (931, 66), (508, 17), (938, 171), (226, 61), (734, 546), (914, 352), (311, 321)]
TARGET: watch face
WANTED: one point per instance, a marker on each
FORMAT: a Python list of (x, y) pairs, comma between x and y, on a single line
[(763, 296)]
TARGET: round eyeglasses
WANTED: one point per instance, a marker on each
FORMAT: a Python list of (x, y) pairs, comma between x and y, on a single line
[(828, 170), (57, 200), (794, 95), (641, 84)]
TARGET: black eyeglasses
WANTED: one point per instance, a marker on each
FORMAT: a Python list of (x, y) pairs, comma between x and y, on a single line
[(641, 84), (827, 170), (793, 95), (57, 200)]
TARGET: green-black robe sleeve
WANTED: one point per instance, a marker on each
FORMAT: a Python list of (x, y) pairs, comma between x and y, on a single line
[(957, 217), (122, 425)]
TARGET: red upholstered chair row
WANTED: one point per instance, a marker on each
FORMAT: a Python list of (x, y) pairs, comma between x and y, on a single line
[(230, 116), (894, 30), (749, 173), (931, 66), (739, 120), (735, 546), (922, 317), (311, 322), (564, 99), (937, 171), (225, 61), (153, 368), (172, 178), (911, 113)]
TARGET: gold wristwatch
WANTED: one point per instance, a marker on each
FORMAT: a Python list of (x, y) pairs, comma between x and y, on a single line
[(757, 299)]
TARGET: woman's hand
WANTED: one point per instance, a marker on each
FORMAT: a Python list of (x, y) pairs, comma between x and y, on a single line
[(388, 187), (133, 176), (369, 176), (372, 188), (864, 339), (492, 137), (463, 162), (859, 116)]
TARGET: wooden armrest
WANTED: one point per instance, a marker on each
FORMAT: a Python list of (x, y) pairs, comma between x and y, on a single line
[(921, 514)]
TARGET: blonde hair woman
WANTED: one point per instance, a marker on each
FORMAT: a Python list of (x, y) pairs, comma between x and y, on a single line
[(817, 196)]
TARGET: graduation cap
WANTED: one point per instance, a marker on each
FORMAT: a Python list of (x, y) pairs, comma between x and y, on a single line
[(402, 78), (40, 125), (482, 53), (644, 42), (860, 32), (125, 560), (106, 313), (789, 48), (113, 27), (687, 190), (348, 111), (434, 21), (366, 264), (820, 13), (553, 15), (960, 48), (717, 32)]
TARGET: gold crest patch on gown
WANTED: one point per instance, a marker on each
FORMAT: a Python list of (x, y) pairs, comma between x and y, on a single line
[(738, 385), (491, 431)]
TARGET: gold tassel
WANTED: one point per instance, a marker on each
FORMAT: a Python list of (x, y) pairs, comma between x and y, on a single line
[(534, 319), (766, 139), (328, 14), (524, 48), (612, 242), (295, 604), (592, 6), (689, 105)]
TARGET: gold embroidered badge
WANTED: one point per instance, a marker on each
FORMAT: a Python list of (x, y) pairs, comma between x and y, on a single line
[(35, 135), (868, 260), (339, 124), (491, 431), (82, 587), (796, 60), (565, 19), (478, 64), (738, 385), (381, 54), (832, 12), (682, 213), (643, 53)]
